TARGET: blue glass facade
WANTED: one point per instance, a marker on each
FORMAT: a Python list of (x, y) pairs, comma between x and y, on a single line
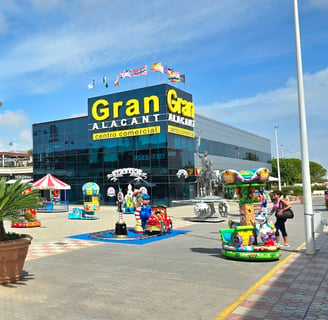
[(72, 151), (141, 128)]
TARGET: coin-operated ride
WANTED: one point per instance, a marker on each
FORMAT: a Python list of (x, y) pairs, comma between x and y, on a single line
[(159, 221), (30, 219), (150, 219), (240, 240), (90, 205)]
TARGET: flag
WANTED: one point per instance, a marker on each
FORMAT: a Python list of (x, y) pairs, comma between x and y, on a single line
[(116, 82), (183, 78), (136, 72), (140, 71), (164, 69), (157, 67), (105, 82), (91, 85), (143, 70), (169, 72), (126, 73), (174, 77)]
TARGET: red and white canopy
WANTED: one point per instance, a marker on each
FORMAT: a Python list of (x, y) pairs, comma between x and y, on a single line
[(50, 182)]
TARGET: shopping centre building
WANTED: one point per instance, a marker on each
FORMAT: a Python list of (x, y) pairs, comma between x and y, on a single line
[(142, 136)]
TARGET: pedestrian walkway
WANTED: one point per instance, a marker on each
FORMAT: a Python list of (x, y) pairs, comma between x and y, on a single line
[(49, 248), (297, 288), (41, 250), (187, 274)]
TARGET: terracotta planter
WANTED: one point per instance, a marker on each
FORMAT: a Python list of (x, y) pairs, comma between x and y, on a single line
[(12, 258)]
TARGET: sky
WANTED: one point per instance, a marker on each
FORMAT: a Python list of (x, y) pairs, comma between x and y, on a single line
[(238, 57)]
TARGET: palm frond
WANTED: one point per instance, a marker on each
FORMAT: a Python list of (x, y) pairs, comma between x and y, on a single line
[(13, 200)]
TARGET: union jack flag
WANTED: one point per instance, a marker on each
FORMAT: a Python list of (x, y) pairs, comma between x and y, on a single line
[(126, 73)]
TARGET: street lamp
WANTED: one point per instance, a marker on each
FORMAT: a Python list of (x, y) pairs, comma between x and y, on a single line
[(277, 152), (306, 180)]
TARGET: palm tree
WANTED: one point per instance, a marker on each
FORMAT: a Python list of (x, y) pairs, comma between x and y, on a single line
[(13, 200)]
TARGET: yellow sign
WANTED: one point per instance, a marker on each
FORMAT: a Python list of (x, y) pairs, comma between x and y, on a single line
[(102, 110), (126, 133), (179, 105), (180, 131)]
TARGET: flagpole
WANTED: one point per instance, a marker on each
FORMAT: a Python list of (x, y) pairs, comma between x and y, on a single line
[(93, 88), (306, 179)]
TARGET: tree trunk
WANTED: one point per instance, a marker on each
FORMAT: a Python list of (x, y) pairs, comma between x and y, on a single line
[(2, 231)]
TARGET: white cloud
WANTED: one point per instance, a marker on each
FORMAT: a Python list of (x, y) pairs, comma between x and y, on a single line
[(259, 114), (78, 42), (16, 127), (77, 115)]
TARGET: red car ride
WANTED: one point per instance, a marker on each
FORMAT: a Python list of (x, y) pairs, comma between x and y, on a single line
[(159, 222)]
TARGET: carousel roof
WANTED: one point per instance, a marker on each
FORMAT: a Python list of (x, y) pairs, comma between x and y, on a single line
[(50, 182)]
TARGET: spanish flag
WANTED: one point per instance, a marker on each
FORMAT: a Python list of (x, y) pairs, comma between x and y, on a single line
[(157, 67)]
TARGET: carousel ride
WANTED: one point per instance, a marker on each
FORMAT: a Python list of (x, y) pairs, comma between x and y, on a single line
[(240, 240), (90, 205), (53, 191)]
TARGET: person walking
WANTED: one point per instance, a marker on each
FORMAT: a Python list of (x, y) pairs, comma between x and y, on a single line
[(279, 206)]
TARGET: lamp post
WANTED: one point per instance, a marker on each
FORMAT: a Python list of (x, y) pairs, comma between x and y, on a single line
[(306, 180), (277, 152)]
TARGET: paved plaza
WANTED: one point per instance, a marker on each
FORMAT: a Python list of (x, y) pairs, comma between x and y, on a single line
[(184, 277)]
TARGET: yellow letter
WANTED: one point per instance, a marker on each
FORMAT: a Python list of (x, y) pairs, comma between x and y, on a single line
[(116, 106), (147, 101), (132, 108), (171, 102), (104, 112), (188, 109)]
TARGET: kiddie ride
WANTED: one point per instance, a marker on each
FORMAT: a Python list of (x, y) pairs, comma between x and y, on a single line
[(159, 221), (30, 220), (239, 242), (151, 220), (91, 203)]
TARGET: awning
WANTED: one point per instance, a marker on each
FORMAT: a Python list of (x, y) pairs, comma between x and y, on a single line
[(273, 178), (49, 182), (12, 181)]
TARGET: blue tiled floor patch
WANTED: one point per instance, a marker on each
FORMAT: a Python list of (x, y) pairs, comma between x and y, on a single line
[(133, 238)]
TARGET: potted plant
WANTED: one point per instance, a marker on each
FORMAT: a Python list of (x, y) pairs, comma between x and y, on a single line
[(13, 246)]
